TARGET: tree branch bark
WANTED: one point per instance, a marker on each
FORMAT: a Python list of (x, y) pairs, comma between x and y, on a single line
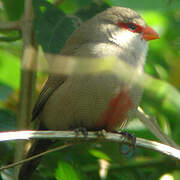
[(10, 26), (28, 65), (71, 135)]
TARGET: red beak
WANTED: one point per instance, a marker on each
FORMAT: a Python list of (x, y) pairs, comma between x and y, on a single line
[(149, 34)]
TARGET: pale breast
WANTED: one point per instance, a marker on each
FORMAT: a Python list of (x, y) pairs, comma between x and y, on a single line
[(80, 101)]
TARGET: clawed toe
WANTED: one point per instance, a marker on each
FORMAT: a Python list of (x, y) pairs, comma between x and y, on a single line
[(81, 130)]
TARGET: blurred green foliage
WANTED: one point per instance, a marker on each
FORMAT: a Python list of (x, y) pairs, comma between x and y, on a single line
[(161, 99)]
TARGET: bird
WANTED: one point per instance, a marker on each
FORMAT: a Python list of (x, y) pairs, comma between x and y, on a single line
[(93, 101)]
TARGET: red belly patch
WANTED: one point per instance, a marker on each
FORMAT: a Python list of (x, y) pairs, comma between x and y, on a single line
[(116, 112)]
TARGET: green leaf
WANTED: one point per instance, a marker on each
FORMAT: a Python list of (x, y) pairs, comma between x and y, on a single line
[(10, 69), (5, 91), (99, 154), (13, 8), (91, 10), (6, 149), (52, 26), (7, 120), (145, 4), (164, 92), (66, 171), (71, 6)]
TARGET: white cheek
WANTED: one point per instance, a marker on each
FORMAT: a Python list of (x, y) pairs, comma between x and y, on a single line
[(123, 37), (133, 46), (130, 40)]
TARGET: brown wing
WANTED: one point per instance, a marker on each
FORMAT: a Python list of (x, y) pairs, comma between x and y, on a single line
[(53, 82)]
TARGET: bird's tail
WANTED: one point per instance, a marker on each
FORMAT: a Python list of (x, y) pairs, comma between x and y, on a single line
[(28, 168)]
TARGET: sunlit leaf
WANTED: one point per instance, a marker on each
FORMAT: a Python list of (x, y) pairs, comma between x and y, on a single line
[(65, 171), (10, 69), (14, 9), (99, 154), (145, 5), (72, 6)]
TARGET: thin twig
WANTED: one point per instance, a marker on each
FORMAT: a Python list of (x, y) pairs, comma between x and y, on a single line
[(36, 156), (152, 125), (70, 135)]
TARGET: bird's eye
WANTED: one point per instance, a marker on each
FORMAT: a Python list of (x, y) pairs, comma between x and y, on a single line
[(135, 28), (132, 27)]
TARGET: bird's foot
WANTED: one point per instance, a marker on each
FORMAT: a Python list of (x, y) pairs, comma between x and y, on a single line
[(101, 133), (131, 148), (81, 130)]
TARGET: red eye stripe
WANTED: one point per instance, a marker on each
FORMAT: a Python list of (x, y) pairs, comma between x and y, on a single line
[(131, 27)]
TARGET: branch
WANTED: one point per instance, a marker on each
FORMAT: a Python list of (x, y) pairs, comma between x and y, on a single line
[(27, 87), (29, 59), (152, 125), (10, 26), (10, 38), (71, 135)]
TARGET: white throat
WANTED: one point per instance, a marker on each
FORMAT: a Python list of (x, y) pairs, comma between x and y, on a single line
[(133, 48)]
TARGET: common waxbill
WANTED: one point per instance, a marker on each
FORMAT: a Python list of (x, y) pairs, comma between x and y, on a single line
[(92, 101)]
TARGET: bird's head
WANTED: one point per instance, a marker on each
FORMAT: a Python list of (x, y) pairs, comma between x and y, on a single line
[(125, 27), (115, 27)]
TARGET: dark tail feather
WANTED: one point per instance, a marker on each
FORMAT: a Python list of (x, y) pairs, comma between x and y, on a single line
[(28, 168)]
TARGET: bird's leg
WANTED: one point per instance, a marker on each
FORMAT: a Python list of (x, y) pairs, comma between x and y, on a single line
[(132, 139)]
